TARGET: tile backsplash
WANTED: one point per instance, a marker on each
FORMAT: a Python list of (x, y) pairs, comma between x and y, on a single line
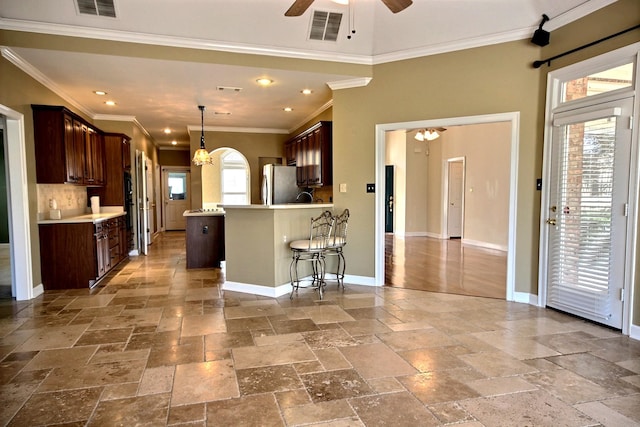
[(68, 197)]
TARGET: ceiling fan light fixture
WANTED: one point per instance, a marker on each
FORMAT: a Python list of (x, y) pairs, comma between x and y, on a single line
[(431, 134), (201, 157), (419, 136)]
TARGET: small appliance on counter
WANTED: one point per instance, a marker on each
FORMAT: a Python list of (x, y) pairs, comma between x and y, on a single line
[(279, 184)]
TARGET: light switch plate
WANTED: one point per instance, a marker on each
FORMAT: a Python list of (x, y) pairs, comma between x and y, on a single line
[(343, 188), (371, 188)]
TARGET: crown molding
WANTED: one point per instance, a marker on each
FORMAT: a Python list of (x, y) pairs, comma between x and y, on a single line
[(29, 69), (324, 107), (236, 129), (576, 13), (349, 83), (115, 118)]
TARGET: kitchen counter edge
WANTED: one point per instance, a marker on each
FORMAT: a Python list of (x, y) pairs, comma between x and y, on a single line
[(93, 218), (285, 206)]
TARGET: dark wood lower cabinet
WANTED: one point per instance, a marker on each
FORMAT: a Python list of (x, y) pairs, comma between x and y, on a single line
[(78, 255), (205, 241)]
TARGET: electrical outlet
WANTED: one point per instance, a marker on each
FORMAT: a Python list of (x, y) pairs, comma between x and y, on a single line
[(371, 188)]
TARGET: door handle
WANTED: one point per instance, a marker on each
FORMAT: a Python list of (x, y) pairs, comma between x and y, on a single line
[(551, 221)]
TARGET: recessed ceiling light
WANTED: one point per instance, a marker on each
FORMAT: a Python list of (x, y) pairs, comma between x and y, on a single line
[(264, 81), (100, 92), (288, 109), (167, 130), (174, 142), (306, 91), (110, 103)]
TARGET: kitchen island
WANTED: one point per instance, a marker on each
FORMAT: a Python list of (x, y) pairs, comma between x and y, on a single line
[(257, 245), (205, 238)]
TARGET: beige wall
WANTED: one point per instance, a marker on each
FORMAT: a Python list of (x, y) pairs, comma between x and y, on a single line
[(174, 157), (211, 179), (487, 150), (417, 200)]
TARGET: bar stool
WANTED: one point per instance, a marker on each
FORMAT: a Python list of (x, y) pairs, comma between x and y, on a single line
[(312, 250), (337, 242)]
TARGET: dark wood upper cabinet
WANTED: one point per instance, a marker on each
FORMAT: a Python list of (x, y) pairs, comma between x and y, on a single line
[(68, 149), (311, 153), (115, 148)]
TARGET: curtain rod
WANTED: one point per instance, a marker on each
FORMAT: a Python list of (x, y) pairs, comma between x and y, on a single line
[(538, 64)]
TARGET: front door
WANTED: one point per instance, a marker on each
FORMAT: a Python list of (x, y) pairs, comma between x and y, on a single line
[(588, 202), (388, 197), (176, 195)]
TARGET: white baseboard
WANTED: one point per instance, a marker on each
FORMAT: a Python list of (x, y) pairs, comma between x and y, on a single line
[(38, 290), (278, 291), (416, 234), (485, 245), (525, 297), (634, 332), (134, 252), (265, 291), (361, 280)]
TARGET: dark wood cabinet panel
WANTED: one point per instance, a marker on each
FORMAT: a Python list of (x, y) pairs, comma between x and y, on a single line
[(115, 146), (77, 255), (68, 149), (68, 256), (205, 241), (311, 153), (94, 173)]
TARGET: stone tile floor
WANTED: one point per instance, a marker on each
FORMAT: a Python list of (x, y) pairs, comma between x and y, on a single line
[(159, 345)]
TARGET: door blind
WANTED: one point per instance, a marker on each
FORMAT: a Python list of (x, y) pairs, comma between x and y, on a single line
[(581, 245)]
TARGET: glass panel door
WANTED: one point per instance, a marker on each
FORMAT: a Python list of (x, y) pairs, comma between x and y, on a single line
[(587, 222)]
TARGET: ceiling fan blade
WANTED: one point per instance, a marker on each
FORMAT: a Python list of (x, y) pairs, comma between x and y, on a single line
[(298, 7), (396, 6)]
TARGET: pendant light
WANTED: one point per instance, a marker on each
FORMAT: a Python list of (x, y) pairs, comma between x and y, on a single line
[(201, 156)]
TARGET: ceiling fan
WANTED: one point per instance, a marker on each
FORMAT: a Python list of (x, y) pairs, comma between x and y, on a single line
[(300, 6)]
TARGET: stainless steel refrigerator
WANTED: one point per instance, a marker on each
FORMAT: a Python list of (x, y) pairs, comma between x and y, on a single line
[(279, 184)]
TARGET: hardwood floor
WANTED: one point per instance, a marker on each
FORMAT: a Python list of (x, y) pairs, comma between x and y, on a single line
[(447, 266)]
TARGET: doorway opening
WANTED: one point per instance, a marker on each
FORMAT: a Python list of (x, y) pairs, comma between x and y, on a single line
[(18, 206), (454, 185), (385, 131)]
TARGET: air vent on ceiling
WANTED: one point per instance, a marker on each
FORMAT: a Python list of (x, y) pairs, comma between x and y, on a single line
[(97, 7), (228, 89), (325, 25)]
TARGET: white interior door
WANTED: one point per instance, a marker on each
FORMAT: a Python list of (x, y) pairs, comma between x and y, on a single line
[(176, 197), (588, 204), (150, 202), (455, 194), (143, 202)]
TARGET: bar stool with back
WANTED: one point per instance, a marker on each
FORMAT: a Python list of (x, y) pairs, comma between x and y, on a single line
[(313, 250)]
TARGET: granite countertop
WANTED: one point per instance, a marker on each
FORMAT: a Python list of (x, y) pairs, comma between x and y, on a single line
[(92, 218), (285, 206), (204, 212)]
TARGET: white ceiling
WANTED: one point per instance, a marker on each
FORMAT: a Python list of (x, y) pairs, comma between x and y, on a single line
[(165, 93)]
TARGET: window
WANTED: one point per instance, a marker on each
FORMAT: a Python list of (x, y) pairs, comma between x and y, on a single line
[(596, 83), (177, 185), (234, 179)]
